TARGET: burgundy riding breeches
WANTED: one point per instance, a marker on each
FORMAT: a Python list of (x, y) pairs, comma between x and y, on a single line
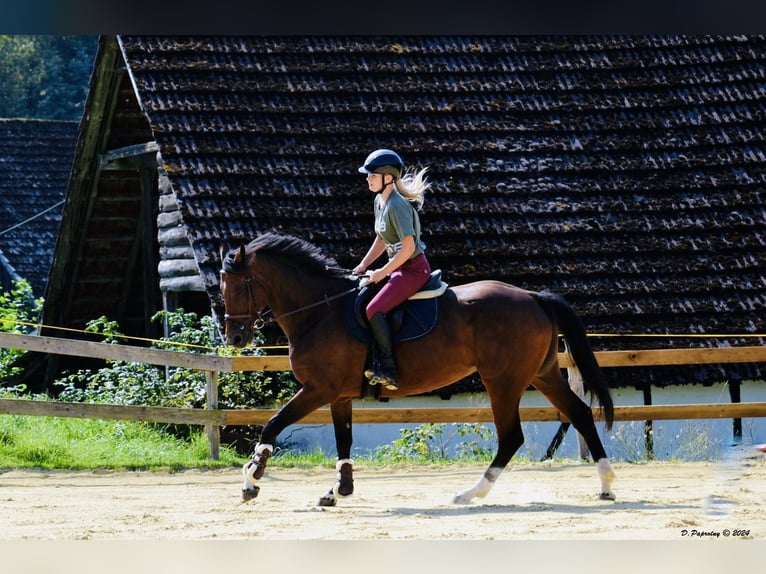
[(401, 284)]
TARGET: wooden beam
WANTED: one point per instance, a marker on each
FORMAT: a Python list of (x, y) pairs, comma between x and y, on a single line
[(210, 362), (261, 363), (213, 431), (652, 357), (658, 357), (116, 352), (236, 417), (112, 412), (137, 156), (527, 414)]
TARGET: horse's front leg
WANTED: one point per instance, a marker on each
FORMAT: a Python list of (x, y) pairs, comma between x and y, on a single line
[(344, 484), (295, 409)]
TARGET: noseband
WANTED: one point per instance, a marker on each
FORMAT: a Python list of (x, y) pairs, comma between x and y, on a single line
[(252, 320)]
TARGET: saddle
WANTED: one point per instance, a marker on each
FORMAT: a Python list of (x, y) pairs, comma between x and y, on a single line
[(411, 320)]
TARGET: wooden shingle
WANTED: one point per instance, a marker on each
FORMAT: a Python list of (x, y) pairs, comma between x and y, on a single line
[(35, 161)]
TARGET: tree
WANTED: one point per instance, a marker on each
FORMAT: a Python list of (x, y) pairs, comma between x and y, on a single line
[(45, 77)]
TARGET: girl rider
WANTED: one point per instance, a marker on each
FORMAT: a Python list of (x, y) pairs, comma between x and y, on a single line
[(398, 197)]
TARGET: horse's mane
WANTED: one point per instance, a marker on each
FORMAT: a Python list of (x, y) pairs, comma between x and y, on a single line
[(299, 252)]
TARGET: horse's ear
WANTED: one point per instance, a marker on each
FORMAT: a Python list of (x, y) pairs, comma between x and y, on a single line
[(241, 256), (222, 250)]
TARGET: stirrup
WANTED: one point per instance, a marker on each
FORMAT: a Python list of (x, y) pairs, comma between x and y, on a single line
[(390, 384), (379, 378), (388, 381)]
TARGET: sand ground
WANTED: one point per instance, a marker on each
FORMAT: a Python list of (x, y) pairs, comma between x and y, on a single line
[(530, 501)]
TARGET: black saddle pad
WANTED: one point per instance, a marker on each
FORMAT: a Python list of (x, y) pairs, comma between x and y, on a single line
[(410, 320)]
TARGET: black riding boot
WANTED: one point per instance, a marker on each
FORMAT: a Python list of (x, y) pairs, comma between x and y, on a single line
[(386, 368)]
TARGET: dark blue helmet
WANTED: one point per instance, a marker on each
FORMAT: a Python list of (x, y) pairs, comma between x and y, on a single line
[(383, 161)]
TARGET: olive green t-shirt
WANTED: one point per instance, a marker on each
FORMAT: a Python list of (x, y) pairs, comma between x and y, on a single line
[(396, 219)]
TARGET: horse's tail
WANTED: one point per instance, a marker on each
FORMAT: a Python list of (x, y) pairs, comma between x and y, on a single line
[(573, 330)]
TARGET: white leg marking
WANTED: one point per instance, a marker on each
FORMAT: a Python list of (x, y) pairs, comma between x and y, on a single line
[(606, 474), (336, 486), (259, 448), (248, 469), (480, 489)]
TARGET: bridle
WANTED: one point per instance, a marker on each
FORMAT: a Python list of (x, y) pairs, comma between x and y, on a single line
[(252, 320), (257, 320)]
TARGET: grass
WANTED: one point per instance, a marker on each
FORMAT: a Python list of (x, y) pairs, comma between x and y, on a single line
[(86, 444), (78, 444), (57, 443)]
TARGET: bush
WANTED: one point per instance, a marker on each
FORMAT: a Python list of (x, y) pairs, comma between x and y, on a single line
[(125, 383), (438, 442), (19, 313)]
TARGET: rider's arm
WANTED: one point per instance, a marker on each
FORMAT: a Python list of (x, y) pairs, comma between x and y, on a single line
[(376, 250), (401, 257)]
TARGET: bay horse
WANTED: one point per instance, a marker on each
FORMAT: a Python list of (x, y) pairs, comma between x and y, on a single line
[(508, 335)]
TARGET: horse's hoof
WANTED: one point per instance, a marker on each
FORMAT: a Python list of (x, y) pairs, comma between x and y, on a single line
[(607, 496), (461, 499), (327, 499), (250, 493), (342, 490)]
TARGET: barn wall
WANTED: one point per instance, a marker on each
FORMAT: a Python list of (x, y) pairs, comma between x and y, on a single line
[(178, 269)]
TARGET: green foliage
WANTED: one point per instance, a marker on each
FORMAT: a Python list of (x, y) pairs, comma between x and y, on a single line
[(237, 389), (45, 77), (19, 311), (438, 442), (630, 439), (125, 383)]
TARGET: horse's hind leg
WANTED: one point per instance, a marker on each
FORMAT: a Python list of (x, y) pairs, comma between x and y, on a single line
[(344, 485), (509, 438), (553, 386)]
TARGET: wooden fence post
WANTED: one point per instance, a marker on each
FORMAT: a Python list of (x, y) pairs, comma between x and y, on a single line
[(736, 397), (648, 425), (213, 431)]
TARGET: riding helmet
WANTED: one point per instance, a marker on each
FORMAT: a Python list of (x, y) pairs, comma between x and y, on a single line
[(383, 161)]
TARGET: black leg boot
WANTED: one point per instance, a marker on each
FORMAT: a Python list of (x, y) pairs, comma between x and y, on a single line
[(385, 374)]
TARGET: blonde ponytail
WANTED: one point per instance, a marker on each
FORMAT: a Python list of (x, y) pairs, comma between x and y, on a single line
[(412, 185)]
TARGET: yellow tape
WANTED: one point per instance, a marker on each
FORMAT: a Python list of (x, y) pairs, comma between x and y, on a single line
[(680, 335), (127, 337)]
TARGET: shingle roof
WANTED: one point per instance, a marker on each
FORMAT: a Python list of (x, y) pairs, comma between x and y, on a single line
[(35, 162), (627, 173)]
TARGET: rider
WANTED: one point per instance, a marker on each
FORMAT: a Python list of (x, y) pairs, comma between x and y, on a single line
[(398, 197)]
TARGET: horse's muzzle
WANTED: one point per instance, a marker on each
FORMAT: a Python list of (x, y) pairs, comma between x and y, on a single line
[(237, 333), (237, 340)]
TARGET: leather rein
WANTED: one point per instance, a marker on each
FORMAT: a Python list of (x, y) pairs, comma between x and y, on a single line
[(257, 320)]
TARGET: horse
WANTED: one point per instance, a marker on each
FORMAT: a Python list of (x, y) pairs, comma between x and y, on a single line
[(506, 334)]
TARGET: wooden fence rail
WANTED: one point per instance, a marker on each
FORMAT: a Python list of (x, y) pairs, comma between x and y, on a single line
[(213, 418), (221, 363), (235, 417)]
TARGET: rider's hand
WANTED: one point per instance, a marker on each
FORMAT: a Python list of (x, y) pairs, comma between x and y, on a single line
[(359, 269), (377, 276)]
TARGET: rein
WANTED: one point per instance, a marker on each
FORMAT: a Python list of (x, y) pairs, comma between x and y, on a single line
[(259, 321)]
